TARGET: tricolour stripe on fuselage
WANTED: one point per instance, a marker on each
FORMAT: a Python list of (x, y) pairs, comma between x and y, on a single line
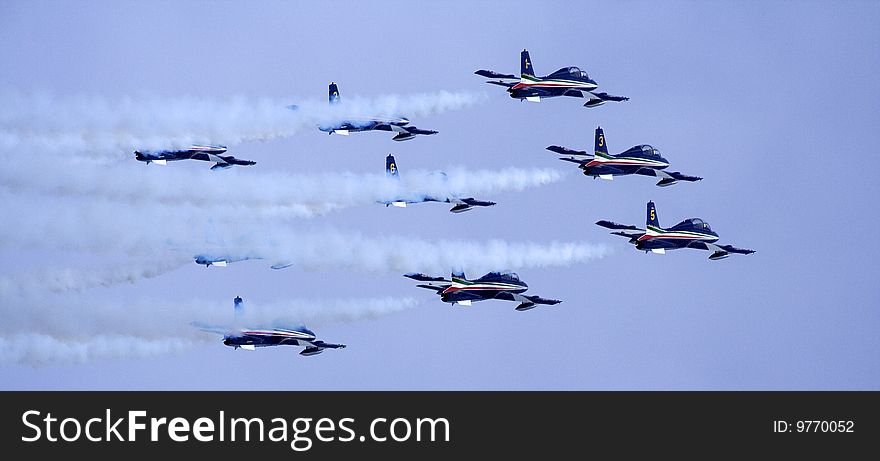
[(603, 160), (534, 82), (653, 232)]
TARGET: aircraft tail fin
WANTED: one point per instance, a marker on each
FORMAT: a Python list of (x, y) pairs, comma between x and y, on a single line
[(391, 167), (459, 274), (652, 219), (239, 305), (334, 93), (526, 69), (601, 146)]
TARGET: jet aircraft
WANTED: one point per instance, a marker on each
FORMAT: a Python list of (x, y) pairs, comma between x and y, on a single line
[(642, 159), (252, 338), (568, 81), (353, 124), (205, 153), (505, 286), (460, 204), (218, 260), (690, 233)]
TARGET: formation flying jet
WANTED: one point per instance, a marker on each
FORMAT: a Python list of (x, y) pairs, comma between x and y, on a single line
[(568, 81), (505, 286), (642, 159), (353, 124), (690, 233), (252, 338), (205, 153), (460, 204), (224, 260)]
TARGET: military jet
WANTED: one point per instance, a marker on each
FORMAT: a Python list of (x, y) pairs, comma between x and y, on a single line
[(505, 286), (642, 159), (568, 81), (251, 338), (224, 260), (353, 124), (690, 233), (460, 204), (205, 153)]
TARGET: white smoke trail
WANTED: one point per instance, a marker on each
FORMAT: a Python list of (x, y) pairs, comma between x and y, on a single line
[(40, 349), (100, 126), (45, 328), (145, 231), (267, 194), (78, 279)]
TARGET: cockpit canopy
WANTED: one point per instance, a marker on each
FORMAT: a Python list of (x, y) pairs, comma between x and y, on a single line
[(648, 150), (572, 71), (698, 223), (503, 274)]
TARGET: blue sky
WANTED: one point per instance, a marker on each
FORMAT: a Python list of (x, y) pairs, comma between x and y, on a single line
[(775, 105)]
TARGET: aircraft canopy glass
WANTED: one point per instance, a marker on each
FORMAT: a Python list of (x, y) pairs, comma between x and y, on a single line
[(577, 72), (700, 224), (648, 150), (510, 274)]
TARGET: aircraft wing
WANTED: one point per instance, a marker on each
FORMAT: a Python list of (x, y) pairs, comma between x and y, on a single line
[(500, 83), (667, 178), (316, 347), (211, 328), (597, 99), (493, 74), (414, 130), (622, 230), (470, 201), (608, 97), (719, 251), (425, 278), (569, 152), (615, 226), (683, 177), (733, 249), (526, 302)]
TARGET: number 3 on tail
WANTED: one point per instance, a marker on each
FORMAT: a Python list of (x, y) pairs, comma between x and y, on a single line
[(601, 140)]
